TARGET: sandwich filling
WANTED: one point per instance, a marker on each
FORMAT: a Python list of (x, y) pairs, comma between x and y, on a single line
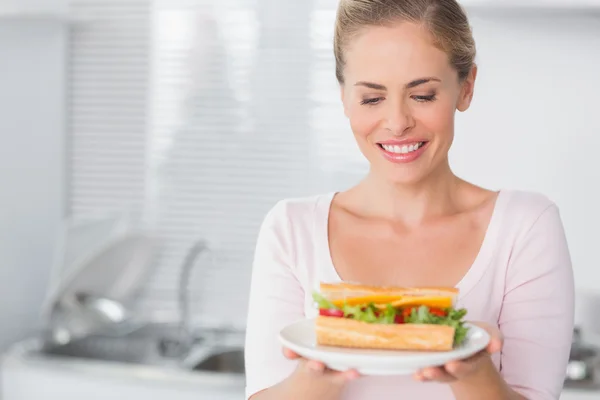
[(409, 310)]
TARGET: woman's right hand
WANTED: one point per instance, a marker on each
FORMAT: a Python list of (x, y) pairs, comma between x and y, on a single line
[(313, 380)]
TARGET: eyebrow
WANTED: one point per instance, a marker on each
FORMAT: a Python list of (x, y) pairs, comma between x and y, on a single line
[(409, 85)]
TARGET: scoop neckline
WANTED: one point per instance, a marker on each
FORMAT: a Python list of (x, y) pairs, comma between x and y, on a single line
[(464, 285)]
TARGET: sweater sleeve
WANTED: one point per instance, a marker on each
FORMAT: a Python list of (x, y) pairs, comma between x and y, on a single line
[(276, 300), (538, 310)]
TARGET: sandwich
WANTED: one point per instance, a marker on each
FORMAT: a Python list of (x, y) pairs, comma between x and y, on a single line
[(389, 318)]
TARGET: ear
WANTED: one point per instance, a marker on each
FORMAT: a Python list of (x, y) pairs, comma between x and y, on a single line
[(467, 90)]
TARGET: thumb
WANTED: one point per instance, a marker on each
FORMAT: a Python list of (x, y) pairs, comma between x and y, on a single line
[(289, 354), (342, 377), (496, 338)]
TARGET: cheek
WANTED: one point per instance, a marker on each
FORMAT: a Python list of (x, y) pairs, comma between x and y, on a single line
[(363, 121), (438, 118)]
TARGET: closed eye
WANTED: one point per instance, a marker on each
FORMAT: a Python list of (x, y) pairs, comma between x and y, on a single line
[(424, 99), (372, 101)]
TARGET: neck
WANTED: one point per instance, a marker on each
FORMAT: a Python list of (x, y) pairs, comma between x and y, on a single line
[(411, 204)]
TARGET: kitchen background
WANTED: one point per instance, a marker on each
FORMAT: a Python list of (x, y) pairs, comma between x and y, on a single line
[(190, 118)]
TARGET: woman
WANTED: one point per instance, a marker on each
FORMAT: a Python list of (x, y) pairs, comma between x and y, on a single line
[(404, 68)]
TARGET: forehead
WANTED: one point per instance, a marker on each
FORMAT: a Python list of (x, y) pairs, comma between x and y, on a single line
[(399, 52)]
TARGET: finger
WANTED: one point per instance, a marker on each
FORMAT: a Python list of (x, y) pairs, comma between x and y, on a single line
[(420, 377), (290, 354), (495, 345), (475, 358), (438, 374), (461, 368), (496, 337), (342, 377), (315, 366)]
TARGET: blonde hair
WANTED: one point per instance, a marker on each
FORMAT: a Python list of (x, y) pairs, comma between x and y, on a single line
[(444, 19)]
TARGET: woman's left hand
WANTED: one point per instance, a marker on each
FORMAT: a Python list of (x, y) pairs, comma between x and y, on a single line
[(461, 369)]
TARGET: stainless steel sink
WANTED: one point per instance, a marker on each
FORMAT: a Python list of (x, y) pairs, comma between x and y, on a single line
[(156, 345), (223, 361), (143, 346), (141, 351), (211, 368)]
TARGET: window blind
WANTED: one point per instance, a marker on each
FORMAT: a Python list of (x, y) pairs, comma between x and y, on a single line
[(108, 86), (202, 114)]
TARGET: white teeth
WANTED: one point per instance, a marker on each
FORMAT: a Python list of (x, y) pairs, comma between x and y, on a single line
[(402, 149)]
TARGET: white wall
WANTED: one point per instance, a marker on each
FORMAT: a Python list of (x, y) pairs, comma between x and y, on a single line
[(537, 4), (32, 100), (535, 121), (37, 7)]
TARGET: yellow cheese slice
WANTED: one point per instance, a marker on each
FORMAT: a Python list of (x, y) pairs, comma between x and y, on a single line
[(375, 299), (381, 301), (429, 301)]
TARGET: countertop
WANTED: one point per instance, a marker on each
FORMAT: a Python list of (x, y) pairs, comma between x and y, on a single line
[(74, 379), (96, 380)]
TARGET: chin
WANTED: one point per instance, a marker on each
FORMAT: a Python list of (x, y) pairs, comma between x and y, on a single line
[(402, 175), (406, 172)]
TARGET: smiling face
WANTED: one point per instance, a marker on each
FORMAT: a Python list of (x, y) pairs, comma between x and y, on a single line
[(400, 94)]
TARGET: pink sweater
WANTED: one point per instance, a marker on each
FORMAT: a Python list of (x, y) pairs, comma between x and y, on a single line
[(521, 280)]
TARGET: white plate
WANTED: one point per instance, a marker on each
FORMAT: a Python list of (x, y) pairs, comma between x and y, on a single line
[(300, 337)]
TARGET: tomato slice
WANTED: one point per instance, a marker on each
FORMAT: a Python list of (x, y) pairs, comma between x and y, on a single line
[(437, 311), (331, 312), (398, 319)]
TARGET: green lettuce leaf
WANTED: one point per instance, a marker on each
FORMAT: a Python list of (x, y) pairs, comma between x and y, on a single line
[(322, 302), (454, 318), (368, 314)]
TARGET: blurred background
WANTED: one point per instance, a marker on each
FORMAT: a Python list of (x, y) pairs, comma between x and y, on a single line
[(144, 141)]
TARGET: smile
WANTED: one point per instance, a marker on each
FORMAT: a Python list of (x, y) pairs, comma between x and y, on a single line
[(401, 153), (402, 149)]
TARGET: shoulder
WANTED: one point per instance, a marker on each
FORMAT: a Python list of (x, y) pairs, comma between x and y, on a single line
[(531, 221), (527, 201), (524, 209), (290, 224)]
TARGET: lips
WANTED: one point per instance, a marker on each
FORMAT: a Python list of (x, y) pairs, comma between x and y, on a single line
[(402, 152), (402, 148)]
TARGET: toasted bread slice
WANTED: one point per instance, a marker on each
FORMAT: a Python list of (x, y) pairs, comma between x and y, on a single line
[(344, 332)]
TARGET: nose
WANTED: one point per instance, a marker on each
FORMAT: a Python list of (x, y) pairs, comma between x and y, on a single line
[(399, 118)]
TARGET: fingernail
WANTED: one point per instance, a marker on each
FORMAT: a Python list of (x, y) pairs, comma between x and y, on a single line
[(451, 368), (353, 375), (316, 366)]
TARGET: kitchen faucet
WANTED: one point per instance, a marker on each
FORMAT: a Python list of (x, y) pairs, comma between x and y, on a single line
[(185, 338)]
